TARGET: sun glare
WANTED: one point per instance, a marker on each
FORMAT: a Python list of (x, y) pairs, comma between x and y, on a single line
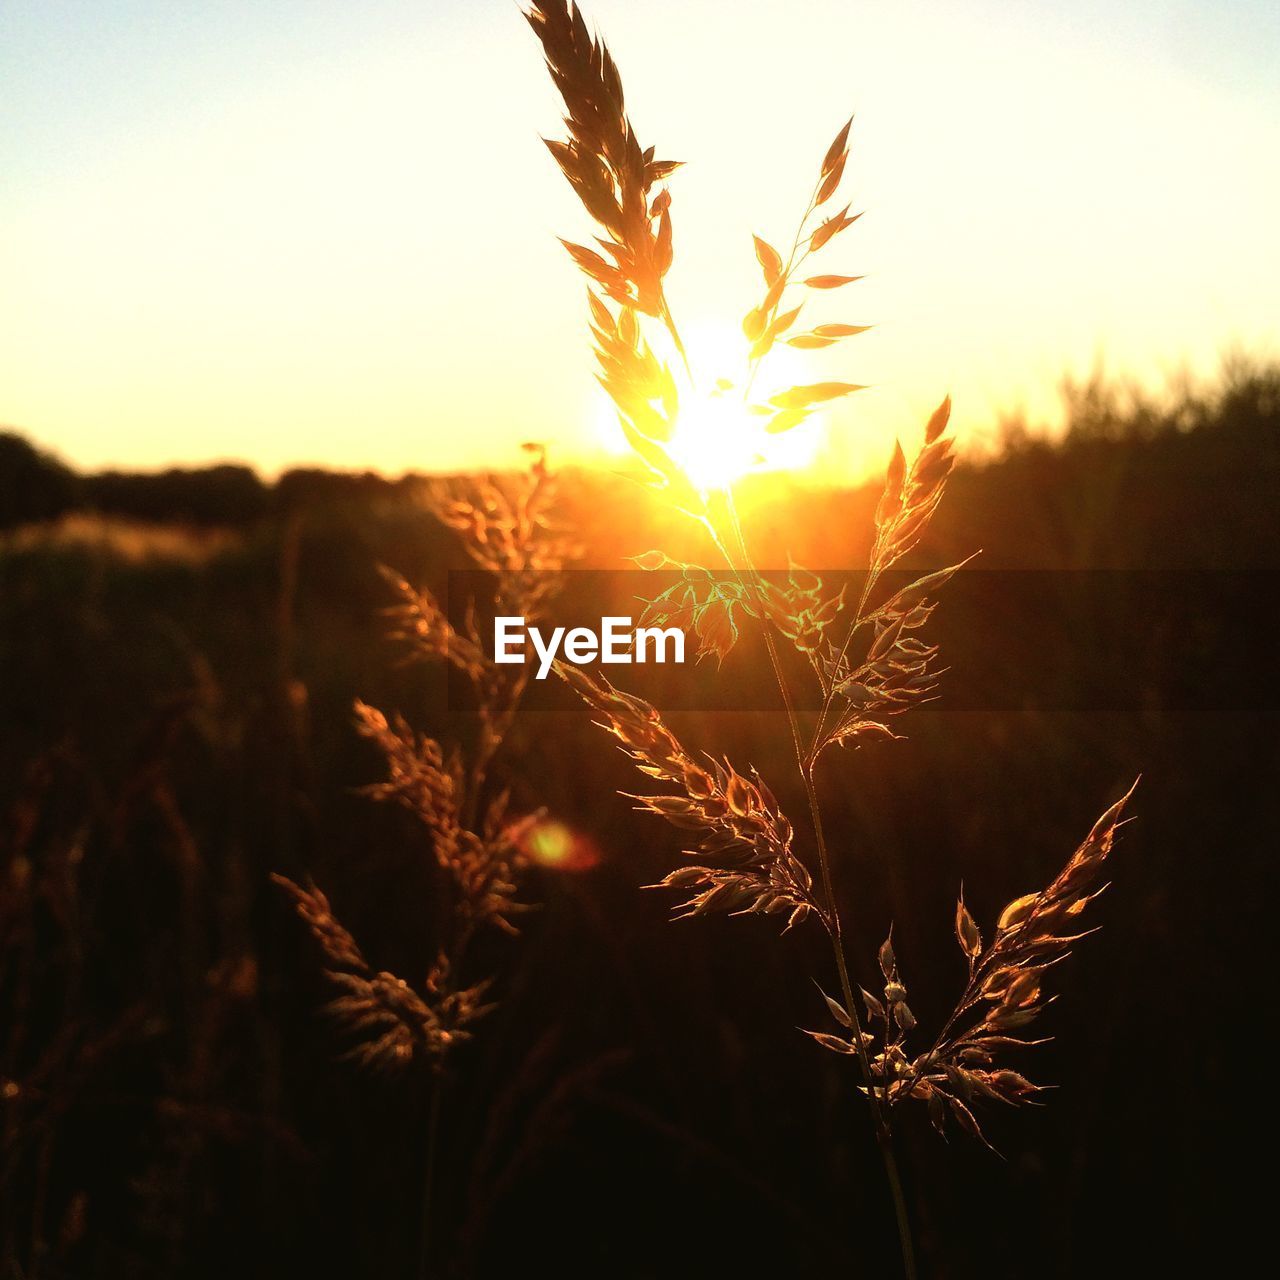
[(717, 439)]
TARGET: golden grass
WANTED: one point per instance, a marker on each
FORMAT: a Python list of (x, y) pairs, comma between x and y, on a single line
[(870, 661)]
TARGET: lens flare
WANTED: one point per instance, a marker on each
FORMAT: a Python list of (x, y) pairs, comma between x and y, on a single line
[(557, 846)]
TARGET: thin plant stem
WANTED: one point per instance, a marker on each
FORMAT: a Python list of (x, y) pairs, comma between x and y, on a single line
[(831, 919), (670, 321), (791, 265), (493, 735), (428, 1181), (879, 1114)]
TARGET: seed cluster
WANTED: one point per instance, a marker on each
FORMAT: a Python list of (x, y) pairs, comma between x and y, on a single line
[(744, 863), (508, 528)]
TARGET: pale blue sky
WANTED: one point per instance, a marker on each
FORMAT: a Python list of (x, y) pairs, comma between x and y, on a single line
[(316, 231)]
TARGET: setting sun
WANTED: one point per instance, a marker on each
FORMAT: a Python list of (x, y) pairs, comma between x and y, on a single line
[(718, 439)]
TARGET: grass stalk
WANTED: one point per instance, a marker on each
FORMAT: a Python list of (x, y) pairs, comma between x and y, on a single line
[(805, 763), (429, 1175)]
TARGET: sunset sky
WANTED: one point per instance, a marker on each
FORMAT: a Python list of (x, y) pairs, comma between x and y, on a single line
[(315, 231)]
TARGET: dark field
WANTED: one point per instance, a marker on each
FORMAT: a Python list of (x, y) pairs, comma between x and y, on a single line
[(176, 679)]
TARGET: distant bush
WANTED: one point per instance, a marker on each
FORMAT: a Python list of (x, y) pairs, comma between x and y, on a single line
[(221, 495), (33, 485), (1243, 400), (315, 486)]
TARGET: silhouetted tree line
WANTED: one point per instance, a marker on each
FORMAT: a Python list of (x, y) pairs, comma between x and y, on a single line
[(36, 485)]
